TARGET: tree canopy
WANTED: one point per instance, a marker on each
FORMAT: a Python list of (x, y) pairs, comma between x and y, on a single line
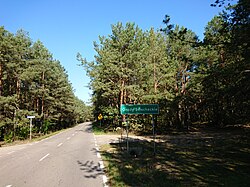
[(33, 83), (193, 81)]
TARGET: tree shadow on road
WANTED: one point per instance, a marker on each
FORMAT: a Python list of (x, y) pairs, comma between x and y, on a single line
[(88, 128), (90, 169)]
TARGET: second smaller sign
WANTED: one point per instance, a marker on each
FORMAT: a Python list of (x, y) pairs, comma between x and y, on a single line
[(100, 117)]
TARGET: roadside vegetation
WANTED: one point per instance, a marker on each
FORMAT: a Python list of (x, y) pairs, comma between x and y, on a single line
[(35, 138), (212, 158), (202, 88), (194, 81), (33, 83)]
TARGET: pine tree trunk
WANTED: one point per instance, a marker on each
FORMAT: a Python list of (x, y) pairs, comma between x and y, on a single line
[(155, 83), (1, 79), (42, 107), (121, 99), (122, 92), (18, 88)]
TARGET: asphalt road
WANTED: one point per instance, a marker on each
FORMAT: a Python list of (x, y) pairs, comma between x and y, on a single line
[(67, 159)]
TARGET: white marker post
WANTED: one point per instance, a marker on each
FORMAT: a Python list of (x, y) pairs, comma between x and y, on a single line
[(30, 117)]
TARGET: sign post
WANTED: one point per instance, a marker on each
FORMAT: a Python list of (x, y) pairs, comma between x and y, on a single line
[(100, 119), (141, 109), (30, 117), (153, 124)]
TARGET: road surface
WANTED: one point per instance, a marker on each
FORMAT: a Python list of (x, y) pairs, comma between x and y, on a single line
[(67, 159)]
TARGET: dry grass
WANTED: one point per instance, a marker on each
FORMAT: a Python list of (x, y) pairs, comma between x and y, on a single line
[(193, 159)]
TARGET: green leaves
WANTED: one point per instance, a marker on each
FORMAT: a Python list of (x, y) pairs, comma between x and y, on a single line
[(192, 80), (32, 82)]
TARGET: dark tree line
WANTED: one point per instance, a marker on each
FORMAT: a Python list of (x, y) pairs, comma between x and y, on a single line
[(33, 83), (193, 81)]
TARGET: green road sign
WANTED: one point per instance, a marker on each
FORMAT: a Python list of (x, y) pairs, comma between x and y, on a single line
[(140, 109)]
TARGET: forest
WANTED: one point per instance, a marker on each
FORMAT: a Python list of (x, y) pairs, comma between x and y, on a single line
[(195, 82), (33, 83)]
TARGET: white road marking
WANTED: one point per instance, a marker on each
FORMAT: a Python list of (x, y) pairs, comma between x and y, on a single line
[(59, 144), (101, 164), (95, 142), (98, 155), (105, 180), (68, 138), (44, 157), (73, 134), (8, 185), (10, 152)]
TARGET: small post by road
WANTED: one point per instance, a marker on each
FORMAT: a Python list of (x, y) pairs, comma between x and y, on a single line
[(153, 125), (126, 122), (30, 117)]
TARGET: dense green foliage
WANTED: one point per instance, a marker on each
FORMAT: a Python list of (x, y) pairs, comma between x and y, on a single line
[(193, 81), (33, 83)]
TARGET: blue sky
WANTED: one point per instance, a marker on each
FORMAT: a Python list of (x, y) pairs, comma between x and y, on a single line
[(67, 27)]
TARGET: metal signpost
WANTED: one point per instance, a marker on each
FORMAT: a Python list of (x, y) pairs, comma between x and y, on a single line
[(140, 109), (30, 117)]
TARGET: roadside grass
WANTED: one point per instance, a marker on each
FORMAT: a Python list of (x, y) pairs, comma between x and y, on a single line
[(99, 129), (205, 159), (34, 139)]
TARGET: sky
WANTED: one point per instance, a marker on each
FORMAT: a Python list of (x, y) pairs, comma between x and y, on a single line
[(67, 27)]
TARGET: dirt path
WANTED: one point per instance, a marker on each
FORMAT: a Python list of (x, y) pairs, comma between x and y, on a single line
[(182, 138), (107, 139)]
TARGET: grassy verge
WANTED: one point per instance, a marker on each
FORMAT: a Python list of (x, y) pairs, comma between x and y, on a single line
[(99, 129), (214, 159), (35, 139)]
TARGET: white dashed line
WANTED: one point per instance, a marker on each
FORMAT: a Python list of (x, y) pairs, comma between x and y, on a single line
[(10, 152), (44, 157), (95, 142), (59, 144), (105, 180), (68, 138), (73, 134), (98, 155), (101, 164), (8, 185)]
